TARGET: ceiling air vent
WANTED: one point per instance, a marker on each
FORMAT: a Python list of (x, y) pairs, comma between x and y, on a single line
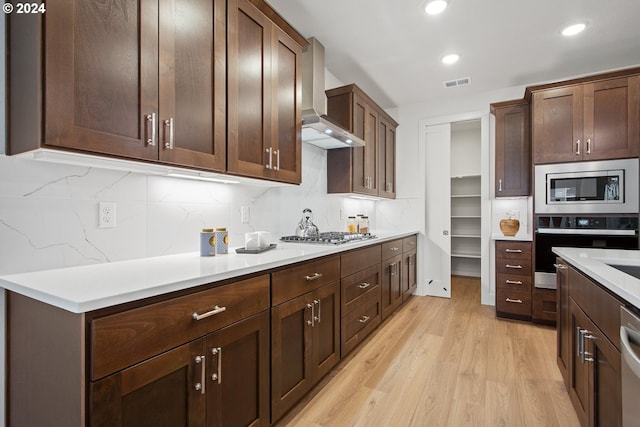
[(458, 82)]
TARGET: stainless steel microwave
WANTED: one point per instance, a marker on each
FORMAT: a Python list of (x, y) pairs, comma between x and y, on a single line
[(607, 186)]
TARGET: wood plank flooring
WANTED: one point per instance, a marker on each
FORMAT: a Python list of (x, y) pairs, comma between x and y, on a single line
[(440, 362)]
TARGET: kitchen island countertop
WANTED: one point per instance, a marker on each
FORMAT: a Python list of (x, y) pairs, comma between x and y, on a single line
[(596, 263), (90, 287)]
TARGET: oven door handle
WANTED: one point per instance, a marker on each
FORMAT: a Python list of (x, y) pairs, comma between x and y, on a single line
[(628, 355), (587, 231)]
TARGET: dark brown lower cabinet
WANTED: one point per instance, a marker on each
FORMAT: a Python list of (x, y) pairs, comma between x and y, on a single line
[(562, 320), (219, 380), (305, 345), (595, 387), (409, 274), (391, 285)]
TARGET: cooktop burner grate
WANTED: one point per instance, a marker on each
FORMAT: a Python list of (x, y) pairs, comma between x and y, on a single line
[(330, 238)]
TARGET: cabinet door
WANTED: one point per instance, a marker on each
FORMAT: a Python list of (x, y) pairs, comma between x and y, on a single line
[(409, 274), (579, 378), (563, 327), (612, 118), (605, 384), (365, 172), (391, 285), (167, 390), (101, 80), (557, 125), (326, 329), (513, 151), (291, 353), (249, 90), (192, 52), (286, 109), (238, 374), (387, 160)]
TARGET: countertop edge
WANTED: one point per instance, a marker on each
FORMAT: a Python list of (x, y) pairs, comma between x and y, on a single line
[(35, 285)]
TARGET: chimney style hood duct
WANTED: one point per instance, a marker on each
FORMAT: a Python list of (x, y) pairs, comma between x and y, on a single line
[(317, 128)]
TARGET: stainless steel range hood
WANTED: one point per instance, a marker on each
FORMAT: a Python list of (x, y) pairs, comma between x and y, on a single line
[(317, 128)]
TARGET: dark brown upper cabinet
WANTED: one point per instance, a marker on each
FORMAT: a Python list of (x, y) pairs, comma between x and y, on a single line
[(592, 120), (265, 107), (513, 148), (368, 170), (137, 79)]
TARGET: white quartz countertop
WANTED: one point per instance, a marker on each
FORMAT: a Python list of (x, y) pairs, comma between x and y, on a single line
[(596, 263), (91, 287)]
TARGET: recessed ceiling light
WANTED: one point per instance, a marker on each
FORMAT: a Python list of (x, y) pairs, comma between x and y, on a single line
[(572, 30), (435, 7), (450, 59)]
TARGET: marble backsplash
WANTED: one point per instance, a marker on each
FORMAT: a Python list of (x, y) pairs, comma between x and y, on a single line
[(49, 212)]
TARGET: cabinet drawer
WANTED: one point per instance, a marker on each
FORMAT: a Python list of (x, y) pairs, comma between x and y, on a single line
[(358, 284), (126, 338), (391, 249), (302, 278), (514, 282), (516, 303), (360, 259), (361, 320), (544, 305), (520, 267), (409, 243), (513, 250)]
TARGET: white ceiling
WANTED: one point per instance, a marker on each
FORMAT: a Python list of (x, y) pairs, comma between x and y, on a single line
[(392, 49)]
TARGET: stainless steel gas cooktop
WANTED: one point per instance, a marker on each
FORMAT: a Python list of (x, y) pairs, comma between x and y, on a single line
[(329, 238)]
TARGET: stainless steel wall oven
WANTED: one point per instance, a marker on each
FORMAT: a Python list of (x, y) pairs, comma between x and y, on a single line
[(613, 232)]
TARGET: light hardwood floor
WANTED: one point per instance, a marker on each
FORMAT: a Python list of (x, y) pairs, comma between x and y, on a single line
[(440, 362)]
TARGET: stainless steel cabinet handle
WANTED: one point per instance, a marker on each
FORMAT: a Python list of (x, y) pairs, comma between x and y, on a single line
[(216, 310), (515, 301), (315, 276), (363, 319), (560, 266), (269, 152), (217, 376), (169, 124), (517, 266), (318, 318), (577, 147), (500, 185), (201, 385), (313, 317), (393, 269), (277, 167), (513, 282), (585, 355), (364, 285), (513, 251), (394, 249), (151, 129), (588, 145), (579, 342)]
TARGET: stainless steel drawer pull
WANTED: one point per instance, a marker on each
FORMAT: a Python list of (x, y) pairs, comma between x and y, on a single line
[(216, 310), (560, 266), (518, 266), (203, 372), (513, 251), (394, 249), (315, 276), (364, 285), (363, 319), (217, 376), (513, 282), (515, 301)]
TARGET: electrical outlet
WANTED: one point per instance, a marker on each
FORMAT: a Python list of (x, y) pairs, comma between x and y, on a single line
[(244, 214), (107, 214)]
